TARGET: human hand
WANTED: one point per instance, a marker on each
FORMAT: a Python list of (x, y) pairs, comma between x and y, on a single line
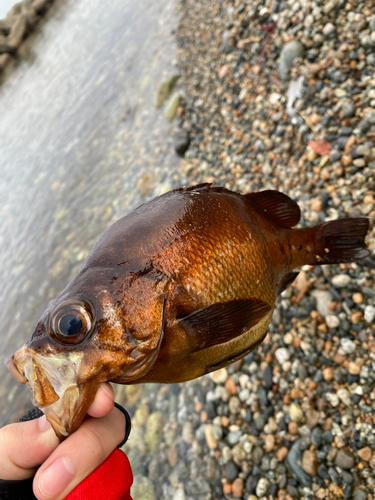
[(26, 445)]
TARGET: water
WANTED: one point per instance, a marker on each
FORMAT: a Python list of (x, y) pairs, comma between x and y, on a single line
[(5, 6), (80, 140)]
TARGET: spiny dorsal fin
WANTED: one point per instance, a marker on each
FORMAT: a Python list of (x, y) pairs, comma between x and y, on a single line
[(223, 321), (276, 206)]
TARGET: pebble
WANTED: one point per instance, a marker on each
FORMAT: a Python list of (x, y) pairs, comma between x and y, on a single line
[(310, 463), (238, 487), (341, 280), (289, 53), (344, 459), (328, 29), (282, 355), (332, 321), (365, 453), (369, 313), (211, 439), (348, 345), (354, 368), (262, 487), (296, 413)]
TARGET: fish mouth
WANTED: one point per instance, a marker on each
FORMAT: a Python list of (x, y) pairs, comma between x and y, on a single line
[(53, 383)]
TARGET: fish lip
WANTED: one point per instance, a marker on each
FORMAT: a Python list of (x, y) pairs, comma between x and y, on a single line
[(12, 367), (57, 373)]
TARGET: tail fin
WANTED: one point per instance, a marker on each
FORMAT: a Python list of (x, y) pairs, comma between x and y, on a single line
[(341, 240)]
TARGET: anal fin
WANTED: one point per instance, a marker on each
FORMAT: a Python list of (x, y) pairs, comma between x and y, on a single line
[(222, 322)]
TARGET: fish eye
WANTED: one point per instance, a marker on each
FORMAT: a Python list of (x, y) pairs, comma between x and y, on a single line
[(72, 322)]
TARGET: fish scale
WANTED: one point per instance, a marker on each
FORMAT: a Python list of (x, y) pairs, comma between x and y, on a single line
[(183, 285)]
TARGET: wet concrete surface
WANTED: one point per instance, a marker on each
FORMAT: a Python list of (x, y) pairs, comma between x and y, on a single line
[(81, 144)]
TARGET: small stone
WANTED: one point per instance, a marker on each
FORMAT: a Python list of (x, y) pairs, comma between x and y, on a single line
[(332, 321), (310, 463), (262, 487), (365, 453), (237, 487), (293, 428), (223, 71), (341, 280), (219, 376), (329, 6), (164, 90), (295, 413), (230, 386), (316, 205), (358, 298), (231, 471), (153, 429), (333, 399), (344, 459), (360, 495), (211, 440), (291, 51), (312, 418), (348, 345), (282, 355), (369, 313), (344, 396), (328, 373), (269, 442), (328, 29), (312, 155), (323, 299), (359, 163), (172, 106), (282, 453), (348, 109)]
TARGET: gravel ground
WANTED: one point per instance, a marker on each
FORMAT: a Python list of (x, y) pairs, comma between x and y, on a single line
[(277, 95)]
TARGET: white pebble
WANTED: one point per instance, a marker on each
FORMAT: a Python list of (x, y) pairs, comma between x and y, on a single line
[(332, 321), (369, 314), (348, 345), (282, 355), (332, 399), (328, 29), (344, 395), (341, 280)]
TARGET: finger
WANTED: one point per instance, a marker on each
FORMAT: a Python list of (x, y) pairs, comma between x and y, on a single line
[(24, 446), (103, 402), (78, 456)]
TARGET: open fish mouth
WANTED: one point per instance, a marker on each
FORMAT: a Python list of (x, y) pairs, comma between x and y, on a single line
[(53, 383)]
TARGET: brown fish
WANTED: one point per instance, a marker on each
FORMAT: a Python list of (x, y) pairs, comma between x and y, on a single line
[(182, 286)]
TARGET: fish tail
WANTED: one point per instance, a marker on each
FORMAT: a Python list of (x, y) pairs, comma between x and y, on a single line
[(332, 242)]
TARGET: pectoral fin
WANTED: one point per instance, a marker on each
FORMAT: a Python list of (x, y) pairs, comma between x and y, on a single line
[(224, 321)]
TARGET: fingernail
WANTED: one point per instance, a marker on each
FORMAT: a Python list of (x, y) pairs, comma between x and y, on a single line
[(44, 425), (108, 390), (56, 477)]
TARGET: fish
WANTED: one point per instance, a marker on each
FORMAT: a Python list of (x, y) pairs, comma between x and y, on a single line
[(183, 285)]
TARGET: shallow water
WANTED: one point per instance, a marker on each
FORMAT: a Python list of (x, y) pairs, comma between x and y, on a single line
[(78, 130), (5, 6)]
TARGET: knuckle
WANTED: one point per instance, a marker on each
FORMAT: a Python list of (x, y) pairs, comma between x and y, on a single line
[(93, 443)]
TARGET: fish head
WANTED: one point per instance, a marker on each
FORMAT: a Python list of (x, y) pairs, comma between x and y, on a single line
[(85, 337)]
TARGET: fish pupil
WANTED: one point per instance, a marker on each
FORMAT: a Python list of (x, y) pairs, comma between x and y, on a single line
[(70, 324)]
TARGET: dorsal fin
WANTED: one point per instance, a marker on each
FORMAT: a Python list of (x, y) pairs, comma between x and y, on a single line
[(278, 207)]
